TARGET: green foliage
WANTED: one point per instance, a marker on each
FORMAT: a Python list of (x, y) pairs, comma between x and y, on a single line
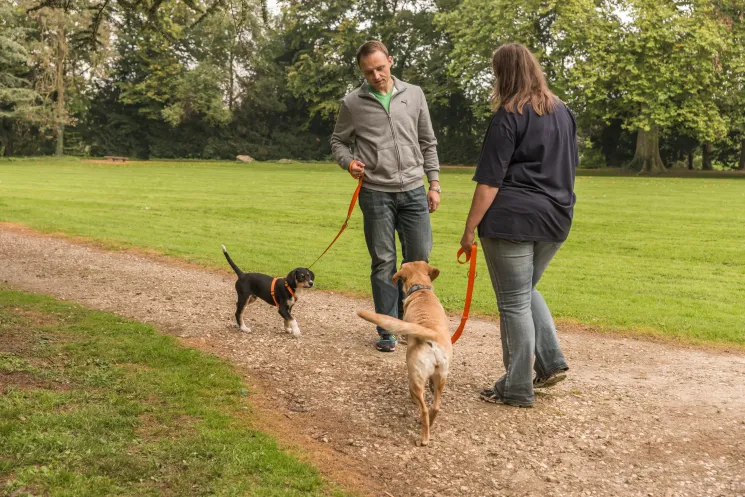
[(644, 62), (20, 104), (16, 98), (216, 79)]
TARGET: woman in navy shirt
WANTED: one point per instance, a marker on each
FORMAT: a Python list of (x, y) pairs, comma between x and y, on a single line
[(523, 206)]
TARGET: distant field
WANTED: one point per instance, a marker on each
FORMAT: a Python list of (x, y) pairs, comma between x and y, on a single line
[(663, 256)]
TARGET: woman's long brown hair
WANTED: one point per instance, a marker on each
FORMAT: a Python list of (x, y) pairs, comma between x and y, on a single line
[(519, 80)]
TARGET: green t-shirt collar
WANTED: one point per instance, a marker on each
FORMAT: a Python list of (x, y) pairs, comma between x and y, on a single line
[(382, 95)]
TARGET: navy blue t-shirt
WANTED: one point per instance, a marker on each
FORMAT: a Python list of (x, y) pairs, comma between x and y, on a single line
[(532, 159)]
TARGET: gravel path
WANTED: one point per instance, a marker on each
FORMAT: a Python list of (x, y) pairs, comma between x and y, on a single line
[(634, 417)]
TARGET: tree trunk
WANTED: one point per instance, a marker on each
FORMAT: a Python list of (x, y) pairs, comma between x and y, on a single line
[(60, 110), (647, 156), (706, 162), (232, 82), (741, 165), (690, 160)]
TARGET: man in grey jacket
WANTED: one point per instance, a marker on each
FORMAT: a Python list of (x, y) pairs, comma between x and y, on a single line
[(384, 135)]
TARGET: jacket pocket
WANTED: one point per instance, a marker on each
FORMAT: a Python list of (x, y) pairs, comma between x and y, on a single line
[(365, 152), (385, 169), (412, 163)]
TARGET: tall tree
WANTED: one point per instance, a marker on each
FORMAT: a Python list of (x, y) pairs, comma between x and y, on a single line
[(731, 13), (56, 27), (19, 103), (666, 73)]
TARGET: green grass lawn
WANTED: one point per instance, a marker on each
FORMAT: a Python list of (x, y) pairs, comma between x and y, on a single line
[(661, 256), (91, 404)]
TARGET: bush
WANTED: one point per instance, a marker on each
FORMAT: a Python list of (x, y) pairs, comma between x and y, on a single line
[(591, 158)]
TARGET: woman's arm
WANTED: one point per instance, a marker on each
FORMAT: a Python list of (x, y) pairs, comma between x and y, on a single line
[(483, 197)]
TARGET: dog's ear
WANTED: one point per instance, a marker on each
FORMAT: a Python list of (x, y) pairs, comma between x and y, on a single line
[(292, 278), (398, 276), (312, 274), (433, 273)]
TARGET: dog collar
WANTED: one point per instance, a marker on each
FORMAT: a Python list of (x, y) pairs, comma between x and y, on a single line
[(415, 288)]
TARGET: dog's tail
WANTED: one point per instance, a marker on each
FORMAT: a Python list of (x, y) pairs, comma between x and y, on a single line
[(398, 326), (230, 261)]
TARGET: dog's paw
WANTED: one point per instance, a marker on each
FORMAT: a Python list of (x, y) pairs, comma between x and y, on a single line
[(295, 328), (422, 443), (245, 329), (288, 330)]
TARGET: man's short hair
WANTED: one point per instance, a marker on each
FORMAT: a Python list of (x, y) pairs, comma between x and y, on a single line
[(371, 47)]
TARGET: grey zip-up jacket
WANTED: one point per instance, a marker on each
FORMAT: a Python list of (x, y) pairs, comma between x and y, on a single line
[(397, 148)]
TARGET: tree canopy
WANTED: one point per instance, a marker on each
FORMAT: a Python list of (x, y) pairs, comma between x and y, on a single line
[(652, 82)]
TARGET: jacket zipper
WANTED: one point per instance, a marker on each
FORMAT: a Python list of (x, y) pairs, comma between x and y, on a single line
[(393, 132)]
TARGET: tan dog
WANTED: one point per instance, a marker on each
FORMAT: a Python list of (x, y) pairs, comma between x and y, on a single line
[(429, 350)]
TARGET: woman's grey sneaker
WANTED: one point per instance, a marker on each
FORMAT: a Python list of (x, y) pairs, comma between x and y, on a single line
[(541, 382), (493, 396), (386, 342)]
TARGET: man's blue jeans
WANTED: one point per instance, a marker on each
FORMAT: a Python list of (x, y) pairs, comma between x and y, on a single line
[(386, 214), (526, 327)]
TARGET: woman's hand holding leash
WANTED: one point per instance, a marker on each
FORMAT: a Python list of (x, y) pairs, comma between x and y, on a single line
[(467, 240)]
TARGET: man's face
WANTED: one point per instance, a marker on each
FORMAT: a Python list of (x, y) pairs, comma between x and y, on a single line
[(376, 68)]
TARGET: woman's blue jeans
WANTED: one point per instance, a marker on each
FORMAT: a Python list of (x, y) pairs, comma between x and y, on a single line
[(527, 329)]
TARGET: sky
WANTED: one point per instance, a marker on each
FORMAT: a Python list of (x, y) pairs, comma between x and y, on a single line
[(272, 6)]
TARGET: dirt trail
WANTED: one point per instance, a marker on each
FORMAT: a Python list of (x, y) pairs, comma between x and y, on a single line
[(634, 417)]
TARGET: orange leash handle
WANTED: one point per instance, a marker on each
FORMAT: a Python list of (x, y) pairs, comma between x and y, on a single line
[(469, 292), (346, 221)]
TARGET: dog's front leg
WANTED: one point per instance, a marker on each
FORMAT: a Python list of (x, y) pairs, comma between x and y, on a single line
[(290, 323)]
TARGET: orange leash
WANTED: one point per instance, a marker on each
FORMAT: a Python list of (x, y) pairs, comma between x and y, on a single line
[(469, 292), (346, 221)]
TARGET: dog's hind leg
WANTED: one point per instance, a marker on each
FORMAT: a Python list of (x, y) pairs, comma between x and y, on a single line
[(243, 302), (417, 395), (438, 380)]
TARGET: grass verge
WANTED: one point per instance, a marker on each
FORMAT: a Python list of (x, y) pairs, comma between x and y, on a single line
[(96, 405)]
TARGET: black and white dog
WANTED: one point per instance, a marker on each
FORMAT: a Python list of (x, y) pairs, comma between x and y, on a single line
[(279, 292)]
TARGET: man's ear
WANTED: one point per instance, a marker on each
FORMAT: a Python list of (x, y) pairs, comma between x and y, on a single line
[(433, 273)]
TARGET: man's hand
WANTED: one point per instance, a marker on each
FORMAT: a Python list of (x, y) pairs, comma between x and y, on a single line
[(433, 200), (356, 169), (467, 240)]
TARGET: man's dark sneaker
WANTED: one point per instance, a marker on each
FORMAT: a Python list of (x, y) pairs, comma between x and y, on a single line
[(493, 396), (541, 382), (386, 342)]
